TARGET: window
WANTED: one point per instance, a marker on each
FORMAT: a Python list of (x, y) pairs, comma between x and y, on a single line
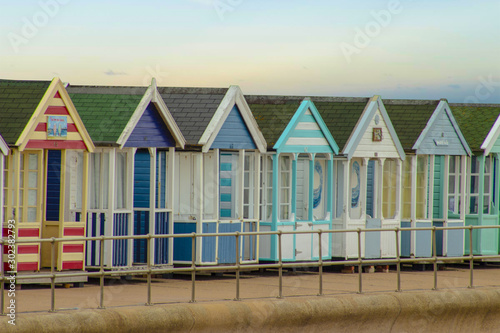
[(248, 186), (474, 185), (266, 188), (285, 187), (29, 187), (320, 188), (488, 184), (121, 180), (406, 199), (454, 187), (98, 180), (422, 184), (389, 189)]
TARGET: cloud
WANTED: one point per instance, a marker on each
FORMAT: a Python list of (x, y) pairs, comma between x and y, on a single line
[(112, 73), (454, 86)]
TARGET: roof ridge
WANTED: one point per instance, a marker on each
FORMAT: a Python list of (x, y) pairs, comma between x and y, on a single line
[(475, 105), (193, 90), (284, 98)]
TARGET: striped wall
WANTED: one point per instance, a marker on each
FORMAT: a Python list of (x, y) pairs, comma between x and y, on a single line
[(306, 137), (234, 133), (27, 254), (150, 131), (38, 138)]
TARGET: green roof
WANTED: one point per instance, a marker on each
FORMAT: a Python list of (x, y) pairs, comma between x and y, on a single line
[(105, 115), (273, 113), (273, 119), (475, 121), (18, 102), (341, 117), (409, 118)]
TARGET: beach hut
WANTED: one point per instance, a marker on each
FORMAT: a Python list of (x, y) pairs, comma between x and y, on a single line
[(45, 187), (296, 177), (370, 174), (434, 175), (216, 175), (480, 124), (130, 173)]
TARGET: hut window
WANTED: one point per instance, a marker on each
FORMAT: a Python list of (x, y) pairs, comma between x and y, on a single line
[(488, 186), (389, 189), (454, 187), (121, 180), (407, 188), (422, 184), (99, 180), (474, 185), (320, 188), (161, 179), (266, 188), (302, 187), (285, 187), (248, 186)]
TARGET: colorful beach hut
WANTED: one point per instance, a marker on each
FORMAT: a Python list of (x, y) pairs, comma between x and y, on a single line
[(216, 175), (480, 124), (297, 182), (434, 175), (45, 172), (130, 174), (370, 174)]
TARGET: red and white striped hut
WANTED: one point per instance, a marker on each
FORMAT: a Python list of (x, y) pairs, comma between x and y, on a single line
[(45, 173)]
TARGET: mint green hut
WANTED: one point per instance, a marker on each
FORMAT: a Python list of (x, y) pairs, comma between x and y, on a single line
[(481, 127), (433, 184), (296, 177)]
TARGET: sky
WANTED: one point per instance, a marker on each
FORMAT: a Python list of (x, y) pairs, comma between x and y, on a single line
[(411, 49)]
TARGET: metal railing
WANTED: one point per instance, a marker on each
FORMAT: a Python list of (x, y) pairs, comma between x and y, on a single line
[(238, 266)]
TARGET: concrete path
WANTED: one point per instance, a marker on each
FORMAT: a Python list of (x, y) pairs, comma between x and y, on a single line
[(253, 287)]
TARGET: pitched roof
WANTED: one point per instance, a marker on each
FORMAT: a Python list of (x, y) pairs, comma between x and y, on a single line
[(475, 121), (192, 108), (409, 118), (18, 102), (273, 113), (105, 110)]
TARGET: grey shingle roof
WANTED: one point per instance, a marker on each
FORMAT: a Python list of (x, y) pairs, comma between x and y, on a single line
[(273, 113), (18, 101), (192, 108)]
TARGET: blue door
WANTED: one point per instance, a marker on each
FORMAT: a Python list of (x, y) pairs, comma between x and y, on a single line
[(142, 179), (53, 185), (370, 187)]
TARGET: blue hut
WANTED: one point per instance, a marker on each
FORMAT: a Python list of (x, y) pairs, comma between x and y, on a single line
[(480, 124), (130, 173), (297, 177), (217, 173), (434, 175)]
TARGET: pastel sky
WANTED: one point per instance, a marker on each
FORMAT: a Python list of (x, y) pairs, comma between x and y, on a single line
[(424, 49)]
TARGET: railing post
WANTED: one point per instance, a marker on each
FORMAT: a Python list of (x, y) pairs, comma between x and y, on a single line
[(434, 256), (398, 264), (280, 288), (237, 266), (53, 277), (320, 268), (101, 270), (360, 263), (193, 267), (149, 269), (471, 259)]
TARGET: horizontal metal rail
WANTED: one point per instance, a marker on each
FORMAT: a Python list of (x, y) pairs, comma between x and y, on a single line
[(149, 269)]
